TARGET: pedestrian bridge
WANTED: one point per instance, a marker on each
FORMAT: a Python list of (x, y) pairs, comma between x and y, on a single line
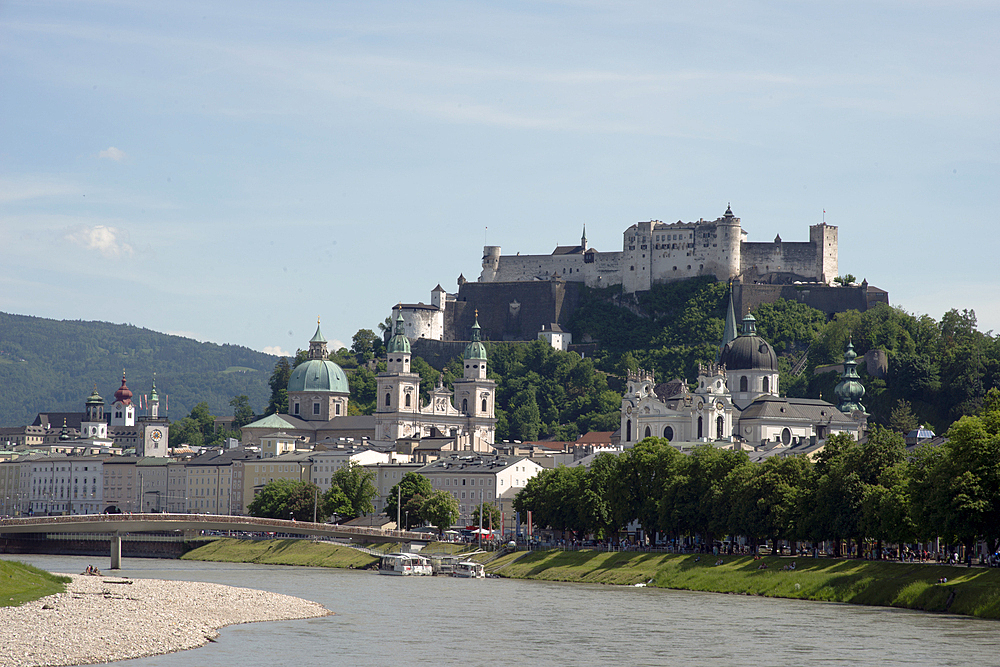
[(119, 524)]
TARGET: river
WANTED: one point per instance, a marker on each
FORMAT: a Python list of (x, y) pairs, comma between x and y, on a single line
[(402, 621)]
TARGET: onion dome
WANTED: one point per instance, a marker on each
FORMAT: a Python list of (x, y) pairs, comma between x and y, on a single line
[(748, 351), (849, 390), (399, 343), (124, 394), (475, 350)]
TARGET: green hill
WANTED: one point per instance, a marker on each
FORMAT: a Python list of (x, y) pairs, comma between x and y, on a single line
[(53, 365)]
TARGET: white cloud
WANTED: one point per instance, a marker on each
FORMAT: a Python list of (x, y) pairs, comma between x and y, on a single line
[(277, 351), (112, 153), (102, 238)]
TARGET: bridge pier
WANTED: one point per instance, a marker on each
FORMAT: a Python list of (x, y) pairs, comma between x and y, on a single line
[(116, 551)]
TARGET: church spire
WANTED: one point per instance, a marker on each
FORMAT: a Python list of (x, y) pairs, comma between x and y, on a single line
[(849, 390), (317, 344), (729, 332), (399, 343), (583, 239)]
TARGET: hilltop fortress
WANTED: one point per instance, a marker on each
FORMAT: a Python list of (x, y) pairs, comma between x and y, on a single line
[(524, 297), (656, 252)]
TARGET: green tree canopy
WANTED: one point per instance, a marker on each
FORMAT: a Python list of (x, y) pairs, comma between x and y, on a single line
[(358, 485), (287, 499), (411, 484), (440, 510)]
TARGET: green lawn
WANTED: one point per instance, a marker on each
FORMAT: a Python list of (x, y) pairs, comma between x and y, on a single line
[(281, 552), (969, 591), (20, 583)]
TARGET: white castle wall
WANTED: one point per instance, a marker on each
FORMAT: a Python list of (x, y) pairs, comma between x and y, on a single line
[(656, 252)]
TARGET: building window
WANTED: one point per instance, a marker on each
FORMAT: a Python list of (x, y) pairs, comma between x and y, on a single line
[(337, 408), (315, 408), (465, 405), (407, 400), (767, 384), (701, 427), (719, 427), (296, 409), (388, 400), (668, 433), (743, 383), (484, 405), (648, 433)]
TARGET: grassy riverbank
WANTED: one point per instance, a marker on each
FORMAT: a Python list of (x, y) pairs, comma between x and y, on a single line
[(969, 591), (281, 552), (20, 583)]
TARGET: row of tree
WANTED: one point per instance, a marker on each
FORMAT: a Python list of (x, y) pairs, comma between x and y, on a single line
[(871, 492)]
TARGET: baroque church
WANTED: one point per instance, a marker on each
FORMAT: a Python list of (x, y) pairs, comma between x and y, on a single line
[(318, 395), (736, 402)]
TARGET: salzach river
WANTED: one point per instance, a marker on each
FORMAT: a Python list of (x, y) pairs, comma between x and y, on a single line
[(401, 621)]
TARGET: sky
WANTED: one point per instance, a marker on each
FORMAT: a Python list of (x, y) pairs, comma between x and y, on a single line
[(230, 171)]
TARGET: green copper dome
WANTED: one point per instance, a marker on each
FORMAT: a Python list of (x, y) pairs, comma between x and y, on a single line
[(475, 350), (318, 375), (95, 398), (399, 343)]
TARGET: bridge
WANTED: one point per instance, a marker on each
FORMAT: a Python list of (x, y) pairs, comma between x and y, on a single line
[(119, 524)]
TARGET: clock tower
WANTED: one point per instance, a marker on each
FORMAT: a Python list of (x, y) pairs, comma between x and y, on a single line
[(153, 431)]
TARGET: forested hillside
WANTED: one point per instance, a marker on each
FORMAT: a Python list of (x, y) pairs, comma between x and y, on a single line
[(53, 365)]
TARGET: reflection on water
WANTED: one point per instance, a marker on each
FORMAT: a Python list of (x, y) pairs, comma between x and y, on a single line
[(443, 621)]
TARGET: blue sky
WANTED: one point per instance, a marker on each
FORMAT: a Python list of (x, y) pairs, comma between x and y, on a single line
[(232, 170)]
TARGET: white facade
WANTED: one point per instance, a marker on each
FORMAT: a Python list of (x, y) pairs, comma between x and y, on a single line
[(473, 479), (657, 252), (64, 485)]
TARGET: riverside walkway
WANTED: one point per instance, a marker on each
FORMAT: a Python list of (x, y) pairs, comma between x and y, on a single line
[(118, 524)]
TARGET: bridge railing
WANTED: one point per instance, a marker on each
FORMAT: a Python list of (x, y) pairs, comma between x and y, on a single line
[(269, 525)]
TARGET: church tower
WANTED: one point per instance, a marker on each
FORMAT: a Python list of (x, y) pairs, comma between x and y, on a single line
[(849, 390), (123, 410), (398, 397), (474, 393), (153, 431), (94, 424)]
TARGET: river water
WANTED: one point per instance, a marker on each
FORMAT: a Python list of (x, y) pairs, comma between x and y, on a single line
[(401, 621)]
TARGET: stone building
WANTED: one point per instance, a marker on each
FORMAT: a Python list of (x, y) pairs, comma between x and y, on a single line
[(736, 403), (656, 252)]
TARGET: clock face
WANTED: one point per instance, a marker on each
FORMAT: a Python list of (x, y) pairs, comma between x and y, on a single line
[(156, 434)]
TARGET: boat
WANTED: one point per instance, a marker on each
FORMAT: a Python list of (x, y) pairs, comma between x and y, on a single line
[(404, 565), (470, 570)]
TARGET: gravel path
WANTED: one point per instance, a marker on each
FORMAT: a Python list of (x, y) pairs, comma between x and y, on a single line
[(103, 619)]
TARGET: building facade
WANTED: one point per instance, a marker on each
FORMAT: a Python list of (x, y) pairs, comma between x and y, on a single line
[(657, 252)]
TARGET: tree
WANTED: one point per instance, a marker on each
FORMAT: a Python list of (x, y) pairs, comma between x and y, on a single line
[(440, 510), (849, 279), (491, 516), (242, 412), (365, 344), (410, 485), (279, 387), (358, 485), (336, 504), (287, 499)]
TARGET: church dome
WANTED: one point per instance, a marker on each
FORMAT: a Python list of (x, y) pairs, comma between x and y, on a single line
[(475, 350), (124, 394), (399, 343), (318, 375), (749, 351)]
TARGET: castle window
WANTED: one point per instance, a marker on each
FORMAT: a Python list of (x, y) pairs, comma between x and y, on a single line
[(743, 383)]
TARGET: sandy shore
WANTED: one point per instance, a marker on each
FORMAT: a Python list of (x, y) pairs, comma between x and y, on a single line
[(103, 619)]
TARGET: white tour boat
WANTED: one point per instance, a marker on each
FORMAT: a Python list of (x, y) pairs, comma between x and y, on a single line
[(470, 570), (404, 565)]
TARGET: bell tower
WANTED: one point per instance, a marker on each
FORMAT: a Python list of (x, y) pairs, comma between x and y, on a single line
[(475, 393)]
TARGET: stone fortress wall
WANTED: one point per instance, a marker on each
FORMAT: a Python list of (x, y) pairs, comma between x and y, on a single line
[(656, 252)]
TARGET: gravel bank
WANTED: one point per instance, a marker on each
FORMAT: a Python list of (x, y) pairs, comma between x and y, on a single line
[(103, 619)]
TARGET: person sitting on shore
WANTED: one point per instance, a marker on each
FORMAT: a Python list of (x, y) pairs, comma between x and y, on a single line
[(718, 562), (762, 566)]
